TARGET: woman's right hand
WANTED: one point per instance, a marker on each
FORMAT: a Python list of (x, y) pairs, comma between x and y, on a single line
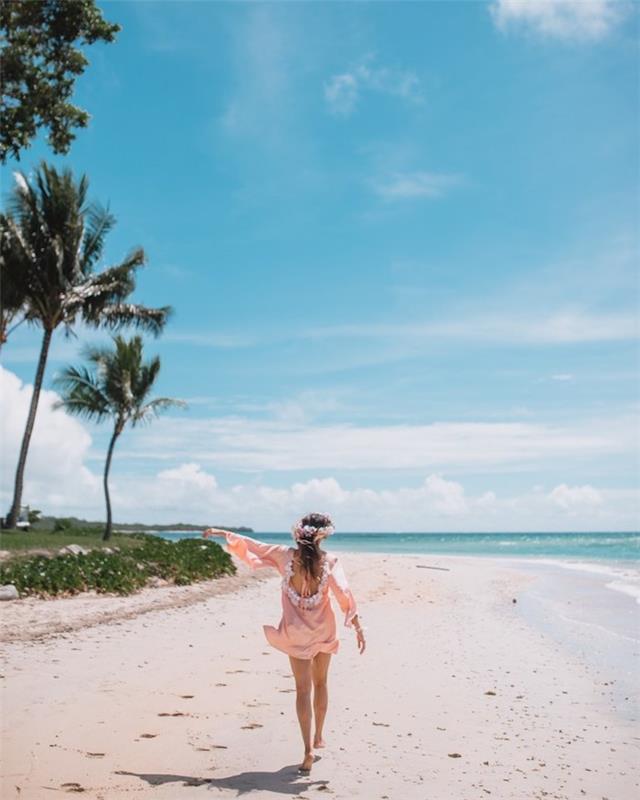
[(360, 640)]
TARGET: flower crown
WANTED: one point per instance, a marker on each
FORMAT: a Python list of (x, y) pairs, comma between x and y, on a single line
[(301, 531)]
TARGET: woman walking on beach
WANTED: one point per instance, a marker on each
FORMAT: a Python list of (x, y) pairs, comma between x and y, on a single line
[(307, 630)]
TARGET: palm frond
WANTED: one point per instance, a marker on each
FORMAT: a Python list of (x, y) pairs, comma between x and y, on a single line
[(98, 222), (151, 320), (82, 394), (58, 238), (117, 385), (154, 408)]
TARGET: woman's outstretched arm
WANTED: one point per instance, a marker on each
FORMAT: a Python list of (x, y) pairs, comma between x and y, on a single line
[(253, 552)]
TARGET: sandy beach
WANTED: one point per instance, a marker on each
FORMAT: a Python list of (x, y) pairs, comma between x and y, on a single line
[(174, 693)]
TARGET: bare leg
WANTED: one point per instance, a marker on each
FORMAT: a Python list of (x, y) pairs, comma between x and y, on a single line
[(301, 669), (319, 671)]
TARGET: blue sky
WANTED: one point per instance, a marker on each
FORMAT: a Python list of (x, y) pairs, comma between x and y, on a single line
[(401, 244)]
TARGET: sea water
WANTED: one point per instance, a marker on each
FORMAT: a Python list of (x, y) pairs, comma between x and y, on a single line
[(585, 593), (615, 556)]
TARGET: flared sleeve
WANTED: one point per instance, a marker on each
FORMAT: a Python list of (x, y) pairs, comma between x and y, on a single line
[(340, 588), (257, 554)]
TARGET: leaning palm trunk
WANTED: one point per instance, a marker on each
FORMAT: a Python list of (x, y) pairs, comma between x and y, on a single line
[(12, 517), (107, 466)]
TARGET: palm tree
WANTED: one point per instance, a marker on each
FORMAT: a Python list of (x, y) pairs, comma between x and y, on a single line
[(53, 240), (117, 386)]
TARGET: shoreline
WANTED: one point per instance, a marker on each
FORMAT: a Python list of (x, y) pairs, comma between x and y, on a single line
[(456, 695)]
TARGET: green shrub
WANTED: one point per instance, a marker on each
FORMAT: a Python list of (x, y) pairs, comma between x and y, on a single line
[(124, 572), (62, 524)]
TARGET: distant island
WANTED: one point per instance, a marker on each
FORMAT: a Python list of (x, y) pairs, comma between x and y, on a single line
[(49, 523)]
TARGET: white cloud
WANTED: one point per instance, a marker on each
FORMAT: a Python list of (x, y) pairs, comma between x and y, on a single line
[(565, 326), (56, 470), (190, 475), (415, 184), (342, 92), (261, 99), (447, 497), (59, 481), (434, 504), (579, 20), (562, 377), (573, 499), (256, 445)]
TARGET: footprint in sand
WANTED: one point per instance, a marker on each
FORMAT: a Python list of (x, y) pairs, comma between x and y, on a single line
[(233, 671), (454, 755), (251, 726), (72, 786), (221, 684), (173, 714), (148, 735), (187, 696), (95, 755)]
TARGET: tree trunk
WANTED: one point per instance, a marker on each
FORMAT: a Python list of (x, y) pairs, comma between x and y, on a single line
[(107, 466), (12, 517)]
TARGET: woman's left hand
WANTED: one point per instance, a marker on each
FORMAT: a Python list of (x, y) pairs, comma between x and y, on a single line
[(213, 532)]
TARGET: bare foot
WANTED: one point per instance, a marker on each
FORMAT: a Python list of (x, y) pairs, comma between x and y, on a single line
[(307, 761), (318, 742)]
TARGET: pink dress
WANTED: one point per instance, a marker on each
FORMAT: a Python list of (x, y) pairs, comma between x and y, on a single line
[(308, 624)]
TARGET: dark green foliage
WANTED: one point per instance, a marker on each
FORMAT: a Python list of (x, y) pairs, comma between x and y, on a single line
[(41, 59), (62, 524), (182, 562)]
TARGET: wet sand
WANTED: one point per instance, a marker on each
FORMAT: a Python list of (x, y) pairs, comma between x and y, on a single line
[(175, 694)]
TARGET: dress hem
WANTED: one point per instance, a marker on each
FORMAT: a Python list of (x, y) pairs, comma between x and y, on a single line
[(322, 647)]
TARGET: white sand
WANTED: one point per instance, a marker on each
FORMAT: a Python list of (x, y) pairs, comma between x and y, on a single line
[(87, 708)]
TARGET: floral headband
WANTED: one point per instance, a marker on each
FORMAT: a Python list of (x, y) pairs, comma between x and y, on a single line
[(301, 531)]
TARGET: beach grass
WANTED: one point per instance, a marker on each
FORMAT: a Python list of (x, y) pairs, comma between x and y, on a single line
[(23, 541), (116, 571)]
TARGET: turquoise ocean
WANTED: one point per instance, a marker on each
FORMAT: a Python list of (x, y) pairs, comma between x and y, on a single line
[(585, 594), (613, 554)]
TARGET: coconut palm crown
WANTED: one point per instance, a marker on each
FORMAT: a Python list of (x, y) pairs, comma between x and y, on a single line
[(116, 384), (52, 243)]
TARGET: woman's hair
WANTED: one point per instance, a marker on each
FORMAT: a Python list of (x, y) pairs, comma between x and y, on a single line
[(308, 546)]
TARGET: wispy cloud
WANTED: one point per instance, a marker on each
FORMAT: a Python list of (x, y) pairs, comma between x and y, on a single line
[(574, 20), (252, 445), (190, 449), (561, 327), (403, 185), (216, 340), (343, 92), (261, 95)]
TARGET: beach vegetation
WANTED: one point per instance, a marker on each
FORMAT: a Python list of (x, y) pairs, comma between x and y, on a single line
[(52, 241), (17, 541), (118, 571)]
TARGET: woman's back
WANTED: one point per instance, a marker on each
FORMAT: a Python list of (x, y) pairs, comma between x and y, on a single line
[(301, 581)]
